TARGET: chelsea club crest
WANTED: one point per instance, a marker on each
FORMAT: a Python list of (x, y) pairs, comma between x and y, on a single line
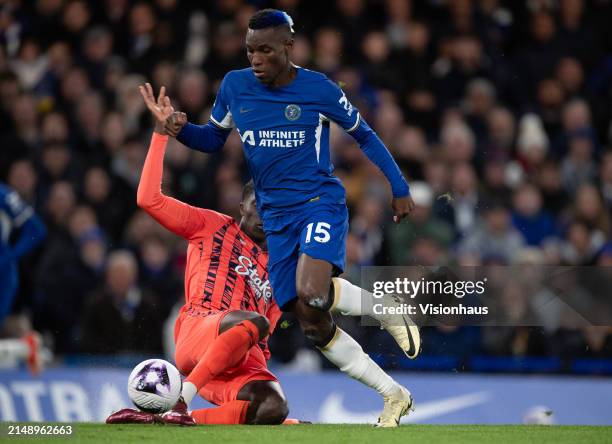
[(293, 112)]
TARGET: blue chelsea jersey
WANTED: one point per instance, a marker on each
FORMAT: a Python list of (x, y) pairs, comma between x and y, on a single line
[(14, 212), (285, 135)]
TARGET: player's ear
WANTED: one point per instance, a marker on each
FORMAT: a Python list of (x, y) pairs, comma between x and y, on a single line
[(289, 45)]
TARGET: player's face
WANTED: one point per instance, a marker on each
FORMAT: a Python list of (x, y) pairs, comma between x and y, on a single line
[(251, 223), (268, 52)]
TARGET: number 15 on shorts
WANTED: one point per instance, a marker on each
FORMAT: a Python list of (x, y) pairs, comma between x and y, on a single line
[(321, 232)]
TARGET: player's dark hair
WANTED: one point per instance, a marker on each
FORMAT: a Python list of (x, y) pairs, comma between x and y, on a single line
[(270, 18), (249, 188)]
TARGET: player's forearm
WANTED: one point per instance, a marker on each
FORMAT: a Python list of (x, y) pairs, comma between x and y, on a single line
[(378, 154), (173, 214), (149, 196), (208, 138)]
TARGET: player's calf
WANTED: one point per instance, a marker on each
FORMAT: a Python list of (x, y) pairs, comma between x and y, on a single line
[(318, 326)]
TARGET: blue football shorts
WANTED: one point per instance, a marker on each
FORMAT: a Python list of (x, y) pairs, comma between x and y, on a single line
[(318, 230)]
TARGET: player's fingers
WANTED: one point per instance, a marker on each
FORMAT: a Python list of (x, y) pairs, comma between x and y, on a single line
[(150, 91), (144, 93), (147, 99), (162, 95)]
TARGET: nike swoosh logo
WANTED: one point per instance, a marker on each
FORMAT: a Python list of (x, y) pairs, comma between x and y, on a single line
[(333, 411), (412, 349), (245, 110)]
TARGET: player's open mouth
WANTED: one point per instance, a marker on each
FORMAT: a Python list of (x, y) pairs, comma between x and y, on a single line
[(259, 74)]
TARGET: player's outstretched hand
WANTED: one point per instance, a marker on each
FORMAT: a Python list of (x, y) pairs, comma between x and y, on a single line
[(160, 109), (175, 122), (401, 207)]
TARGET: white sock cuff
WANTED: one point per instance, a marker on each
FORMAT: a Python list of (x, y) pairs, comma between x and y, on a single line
[(189, 391), (347, 298)]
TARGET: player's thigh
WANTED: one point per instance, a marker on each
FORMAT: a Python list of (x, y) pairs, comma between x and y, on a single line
[(283, 251), (194, 337), (322, 248)]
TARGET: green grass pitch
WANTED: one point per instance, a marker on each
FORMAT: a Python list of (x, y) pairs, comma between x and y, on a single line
[(328, 433)]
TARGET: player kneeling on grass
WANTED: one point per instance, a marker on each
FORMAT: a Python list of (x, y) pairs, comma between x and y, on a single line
[(229, 311)]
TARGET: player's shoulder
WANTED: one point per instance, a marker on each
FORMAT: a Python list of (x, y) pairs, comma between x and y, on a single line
[(216, 217), (318, 82), (238, 78), (317, 77), (211, 222)]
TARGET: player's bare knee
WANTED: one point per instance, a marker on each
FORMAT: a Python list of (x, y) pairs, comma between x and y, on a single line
[(272, 410), (313, 297), (262, 324)]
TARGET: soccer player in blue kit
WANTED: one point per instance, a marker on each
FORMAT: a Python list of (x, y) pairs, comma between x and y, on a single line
[(282, 113), (16, 216)]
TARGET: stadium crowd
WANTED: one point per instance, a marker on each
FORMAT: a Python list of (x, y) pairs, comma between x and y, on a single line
[(498, 112)]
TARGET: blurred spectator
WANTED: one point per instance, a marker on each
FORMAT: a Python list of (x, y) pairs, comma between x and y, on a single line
[(22, 177), (578, 167), (581, 244), (69, 268), (532, 143), (59, 206), (538, 58), (367, 227), (421, 223), (157, 272), (605, 179), (495, 236), (501, 134), (515, 341), (589, 209), (529, 218), (121, 316), (110, 198), (465, 198), (554, 196)]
